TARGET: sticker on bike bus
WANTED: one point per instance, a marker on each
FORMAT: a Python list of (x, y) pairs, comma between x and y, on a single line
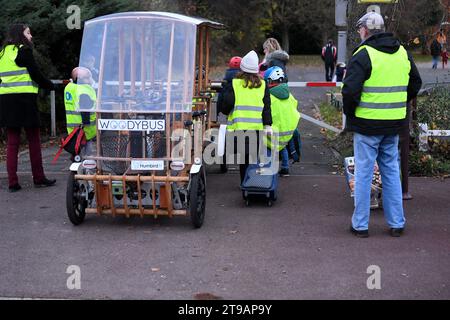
[(131, 125)]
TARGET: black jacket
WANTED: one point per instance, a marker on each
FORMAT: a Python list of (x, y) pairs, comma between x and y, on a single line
[(435, 48), (20, 109), (359, 70), (230, 74), (227, 104)]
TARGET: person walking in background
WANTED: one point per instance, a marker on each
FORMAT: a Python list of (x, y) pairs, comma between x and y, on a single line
[(442, 38), (380, 80), (274, 56), (444, 55), (20, 78), (435, 50), (329, 57), (247, 104)]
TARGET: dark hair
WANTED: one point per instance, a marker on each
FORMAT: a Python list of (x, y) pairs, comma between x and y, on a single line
[(16, 37), (252, 80)]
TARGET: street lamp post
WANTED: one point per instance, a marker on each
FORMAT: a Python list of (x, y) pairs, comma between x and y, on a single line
[(341, 21)]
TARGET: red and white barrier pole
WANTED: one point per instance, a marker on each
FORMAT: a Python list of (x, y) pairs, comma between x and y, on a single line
[(318, 85), (314, 84)]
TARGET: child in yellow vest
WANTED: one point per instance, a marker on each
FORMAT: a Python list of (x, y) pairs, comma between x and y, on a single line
[(80, 96), (285, 116)]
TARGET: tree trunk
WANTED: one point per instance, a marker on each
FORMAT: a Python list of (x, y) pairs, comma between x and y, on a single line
[(285, 39)]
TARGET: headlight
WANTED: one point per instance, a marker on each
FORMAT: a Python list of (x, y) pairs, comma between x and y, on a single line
[(89, 164), (177, 165)]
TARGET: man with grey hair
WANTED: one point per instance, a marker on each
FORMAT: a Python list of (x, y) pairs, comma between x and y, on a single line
[(381, 79)]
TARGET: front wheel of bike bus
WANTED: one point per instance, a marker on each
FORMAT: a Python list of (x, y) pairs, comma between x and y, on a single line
[(197, 198), (75, 200)]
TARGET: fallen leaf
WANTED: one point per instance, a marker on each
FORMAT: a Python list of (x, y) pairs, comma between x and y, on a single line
[(206, 296), (233, 231), (155, 269)]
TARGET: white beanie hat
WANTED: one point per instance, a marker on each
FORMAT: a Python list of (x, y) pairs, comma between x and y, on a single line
[(250, 62)]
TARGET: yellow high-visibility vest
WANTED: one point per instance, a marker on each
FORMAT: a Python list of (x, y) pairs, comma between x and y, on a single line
[(384, 94), (72, 94), (248, 107), (285, 118), (15, 79)]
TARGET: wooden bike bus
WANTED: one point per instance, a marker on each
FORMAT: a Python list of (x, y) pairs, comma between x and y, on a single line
[(150, 75)]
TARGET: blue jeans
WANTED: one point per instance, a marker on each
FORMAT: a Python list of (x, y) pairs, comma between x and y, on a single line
[(383, 149), (284, 154), (435, 61), (284, 158)]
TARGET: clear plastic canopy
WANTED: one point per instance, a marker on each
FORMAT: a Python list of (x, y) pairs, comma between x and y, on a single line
[(140, 62)]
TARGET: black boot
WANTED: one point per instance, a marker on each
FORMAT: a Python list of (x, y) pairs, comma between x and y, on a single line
[(14, 188), (45, 183)]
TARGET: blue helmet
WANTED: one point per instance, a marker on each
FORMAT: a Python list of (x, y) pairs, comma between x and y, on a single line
[(274, 74)]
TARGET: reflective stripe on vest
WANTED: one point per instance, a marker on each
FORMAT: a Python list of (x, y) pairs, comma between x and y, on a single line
[(248, 107), (15, 79), (72, 92), (384, 94), (285, 118)]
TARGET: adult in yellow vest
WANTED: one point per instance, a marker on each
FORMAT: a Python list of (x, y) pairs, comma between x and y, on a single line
[(380, 81), (247, 104), (285, 116), (79, 98), (19, 81)]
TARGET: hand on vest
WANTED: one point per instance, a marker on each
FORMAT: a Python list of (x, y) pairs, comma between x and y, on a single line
[(268, 130)]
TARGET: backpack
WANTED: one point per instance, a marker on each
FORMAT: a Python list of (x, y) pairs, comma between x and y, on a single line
[(73, 143), (329, 54)]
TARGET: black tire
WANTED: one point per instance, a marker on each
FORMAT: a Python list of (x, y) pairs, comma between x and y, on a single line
[(76, 209), (197, 198)]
